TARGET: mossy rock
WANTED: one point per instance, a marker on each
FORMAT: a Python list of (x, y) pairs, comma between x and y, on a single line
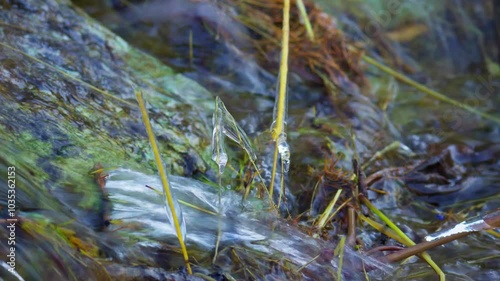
[(67, 94), (54, 57)]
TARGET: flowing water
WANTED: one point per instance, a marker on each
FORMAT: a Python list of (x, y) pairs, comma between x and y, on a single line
[(448, 158), (247, 226)]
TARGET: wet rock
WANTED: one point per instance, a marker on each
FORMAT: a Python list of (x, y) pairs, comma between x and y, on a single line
[(67, 95), (53, 60), (68, 101)]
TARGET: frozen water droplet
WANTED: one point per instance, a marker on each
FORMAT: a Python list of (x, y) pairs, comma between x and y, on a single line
[(225, 125), (284, 151), (221, 160)]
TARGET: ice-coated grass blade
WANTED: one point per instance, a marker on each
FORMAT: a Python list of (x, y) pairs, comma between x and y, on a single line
[(305, 18), (225, 125), (219, 155), (172, 205), (280, 108), (231, 129), (339, 251), (406, 240), (471, 225)]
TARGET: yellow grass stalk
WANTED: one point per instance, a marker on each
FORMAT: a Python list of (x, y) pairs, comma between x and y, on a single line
[(308, 263), (278, 127), (393, 146), (338, 209), (381, 228), (164, 180)]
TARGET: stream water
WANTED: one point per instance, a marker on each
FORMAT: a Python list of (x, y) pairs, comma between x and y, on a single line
[(446, 168), (246, 227)]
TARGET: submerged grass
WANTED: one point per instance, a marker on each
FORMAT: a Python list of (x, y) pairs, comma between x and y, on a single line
[(407, 241), (164, 179), (429, 91), (185, 203)]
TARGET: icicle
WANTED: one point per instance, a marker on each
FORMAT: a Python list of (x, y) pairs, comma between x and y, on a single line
[(219, 154), (225, 124)]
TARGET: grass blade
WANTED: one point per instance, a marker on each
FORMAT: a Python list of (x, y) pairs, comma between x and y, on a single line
[(278, 126), (340, 252), (164, 180), (429, 91)]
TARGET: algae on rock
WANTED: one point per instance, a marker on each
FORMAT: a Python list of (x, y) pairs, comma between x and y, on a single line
[(67, 101)]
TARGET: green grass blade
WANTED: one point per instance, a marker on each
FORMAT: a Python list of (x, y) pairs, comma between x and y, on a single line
[(340, 252), (305, 18), (429, 91), (278, 126)]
